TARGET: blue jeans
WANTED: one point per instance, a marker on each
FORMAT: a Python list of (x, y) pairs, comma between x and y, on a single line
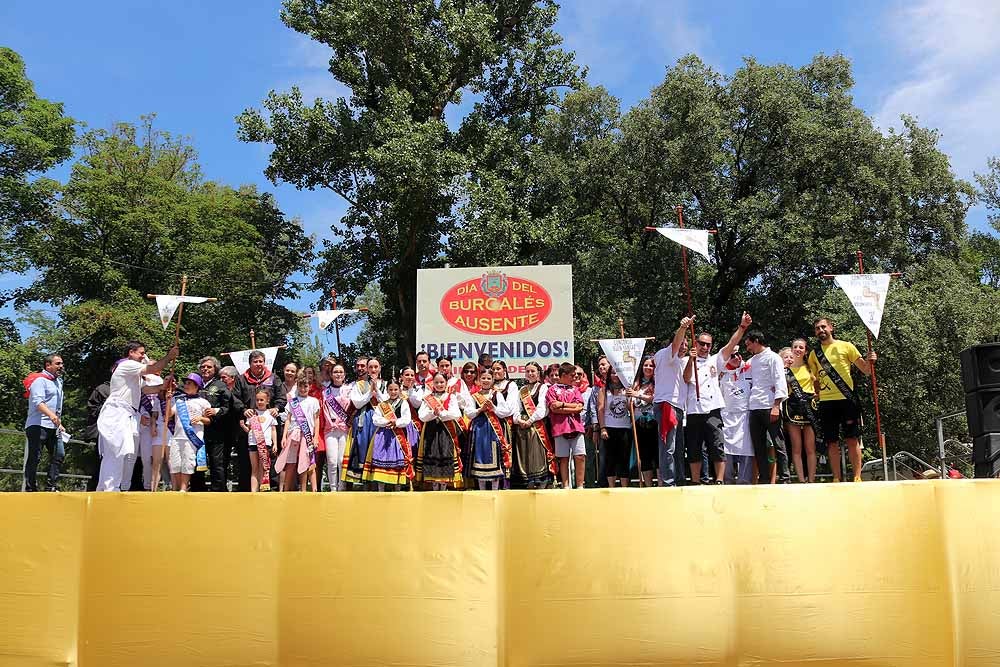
[(38, 436), (671, 469)]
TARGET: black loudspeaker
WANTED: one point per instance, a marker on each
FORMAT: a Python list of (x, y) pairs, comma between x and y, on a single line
[(982, 409), (986, 455), (980, 367)]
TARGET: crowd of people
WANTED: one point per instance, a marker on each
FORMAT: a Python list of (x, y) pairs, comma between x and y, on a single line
[(691, 416)]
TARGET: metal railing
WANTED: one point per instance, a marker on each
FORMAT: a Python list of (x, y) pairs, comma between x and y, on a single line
[(78, 480)]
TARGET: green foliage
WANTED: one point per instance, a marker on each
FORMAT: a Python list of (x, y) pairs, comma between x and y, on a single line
[(388, 150), (793, 176), (34, 136), (136, 214)]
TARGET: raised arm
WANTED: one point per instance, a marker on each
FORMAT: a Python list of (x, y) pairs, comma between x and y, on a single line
[(737, 336), (675, 345)]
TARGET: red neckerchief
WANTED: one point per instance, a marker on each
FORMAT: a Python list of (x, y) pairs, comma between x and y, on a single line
[(28, 381), (251, 380)]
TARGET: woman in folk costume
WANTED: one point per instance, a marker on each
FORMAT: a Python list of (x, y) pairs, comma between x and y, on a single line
[(365, 395), (438, 460), (534, 456), (504, 385), (298, 445), (390, 456), (411, 390), (335, 420), (488, 459)]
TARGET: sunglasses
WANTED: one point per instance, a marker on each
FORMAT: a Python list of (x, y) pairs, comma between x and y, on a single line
[(469, 372), (705, 343)]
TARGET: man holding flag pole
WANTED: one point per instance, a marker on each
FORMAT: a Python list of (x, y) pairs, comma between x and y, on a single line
[(669, 395)]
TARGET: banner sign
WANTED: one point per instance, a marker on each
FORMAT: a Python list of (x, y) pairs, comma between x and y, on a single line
[(167, 304), (326, 317), (516, 314), (241, 359), (867, 292), (624, 355), (692, 239)]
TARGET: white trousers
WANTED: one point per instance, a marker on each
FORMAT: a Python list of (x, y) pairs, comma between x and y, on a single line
[(335, 443), (115, 468)]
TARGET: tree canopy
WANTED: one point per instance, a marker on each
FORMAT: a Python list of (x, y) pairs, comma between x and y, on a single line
[(466, 135)]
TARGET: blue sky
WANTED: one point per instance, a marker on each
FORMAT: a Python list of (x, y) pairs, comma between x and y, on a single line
[(197, 64)]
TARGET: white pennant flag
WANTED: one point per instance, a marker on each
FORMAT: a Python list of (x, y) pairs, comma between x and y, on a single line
[(625, 356), (241, 359), (867, 292), (693, 239), (167, 305), (326, 317)]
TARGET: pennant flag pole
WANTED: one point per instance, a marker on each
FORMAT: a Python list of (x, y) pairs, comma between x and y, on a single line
[(867, 295), (697, 240), (166, 304), (625, 356), (326, 317)]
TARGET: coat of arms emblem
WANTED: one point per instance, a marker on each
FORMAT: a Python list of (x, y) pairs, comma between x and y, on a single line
[(493, 283)]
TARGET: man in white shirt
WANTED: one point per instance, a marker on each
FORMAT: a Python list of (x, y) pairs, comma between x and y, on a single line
[(669, 403), (118, 422), (767, 373), (703, 431)]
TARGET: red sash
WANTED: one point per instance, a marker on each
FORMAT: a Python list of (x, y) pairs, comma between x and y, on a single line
[(494, 421), (405, 393), (435, 404), (404, 444), (543, 435), (262, 454)]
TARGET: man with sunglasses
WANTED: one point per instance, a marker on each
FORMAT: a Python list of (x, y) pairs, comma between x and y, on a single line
[(703, 432)]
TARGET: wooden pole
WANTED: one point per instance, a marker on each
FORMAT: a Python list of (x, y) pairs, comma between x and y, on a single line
[(631, 412), (157, 462), (253, 340), (878, 415), (687, 293), (336, 324)]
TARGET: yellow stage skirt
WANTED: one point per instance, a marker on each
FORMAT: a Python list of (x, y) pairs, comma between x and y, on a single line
[(851, 574)]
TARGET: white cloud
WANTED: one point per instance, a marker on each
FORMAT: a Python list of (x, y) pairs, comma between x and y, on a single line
[(953, 83), (308, 62), (627, 44)]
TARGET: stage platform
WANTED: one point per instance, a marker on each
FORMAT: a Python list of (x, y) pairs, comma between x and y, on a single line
[(852, 574)]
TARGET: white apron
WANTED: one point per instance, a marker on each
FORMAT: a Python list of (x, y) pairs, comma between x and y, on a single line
[(118, 428)]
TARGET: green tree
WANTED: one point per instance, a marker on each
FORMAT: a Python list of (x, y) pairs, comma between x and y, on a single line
[(136, 214), (34, 137), (388, 150)]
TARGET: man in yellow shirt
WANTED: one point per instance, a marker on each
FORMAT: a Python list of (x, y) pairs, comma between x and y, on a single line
[(839, 413)]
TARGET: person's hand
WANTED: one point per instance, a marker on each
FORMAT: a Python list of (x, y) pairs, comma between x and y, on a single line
[(686, 322), (210, 412), (693, 352), (57, 422), (774, 415), (173, 352), (249, 413), (273, 412), (604, 434), (274, 450), (872, 357), (746, 320)]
